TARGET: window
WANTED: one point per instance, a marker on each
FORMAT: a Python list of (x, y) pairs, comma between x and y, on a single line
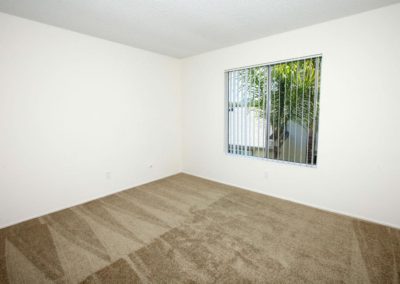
[(273, 111)]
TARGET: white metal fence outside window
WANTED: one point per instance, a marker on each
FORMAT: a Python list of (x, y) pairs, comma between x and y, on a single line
[(273, 110)]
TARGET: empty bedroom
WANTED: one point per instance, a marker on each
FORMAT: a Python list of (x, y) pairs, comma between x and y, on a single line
[(199, 141)]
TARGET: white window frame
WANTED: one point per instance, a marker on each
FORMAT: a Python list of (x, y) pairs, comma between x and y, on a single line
[(226, 110)]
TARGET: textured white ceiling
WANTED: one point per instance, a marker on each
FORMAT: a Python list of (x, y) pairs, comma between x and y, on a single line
[(182, 28)]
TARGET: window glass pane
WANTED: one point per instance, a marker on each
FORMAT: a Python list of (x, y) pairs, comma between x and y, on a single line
[(273, 111)]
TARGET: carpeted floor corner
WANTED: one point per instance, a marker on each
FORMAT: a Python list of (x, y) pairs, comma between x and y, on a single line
[(184, 229)]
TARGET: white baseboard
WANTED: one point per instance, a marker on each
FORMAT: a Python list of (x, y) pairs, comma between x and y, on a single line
[(2, 226), (215, 180), (298, 202)]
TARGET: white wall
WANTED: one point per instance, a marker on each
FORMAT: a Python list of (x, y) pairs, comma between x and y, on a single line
[(80, 118), (358, 169)]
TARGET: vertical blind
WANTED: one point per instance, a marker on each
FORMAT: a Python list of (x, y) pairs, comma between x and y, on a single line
[(273, 111)]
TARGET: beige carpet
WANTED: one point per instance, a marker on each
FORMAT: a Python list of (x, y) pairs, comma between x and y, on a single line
[(184, 229)]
